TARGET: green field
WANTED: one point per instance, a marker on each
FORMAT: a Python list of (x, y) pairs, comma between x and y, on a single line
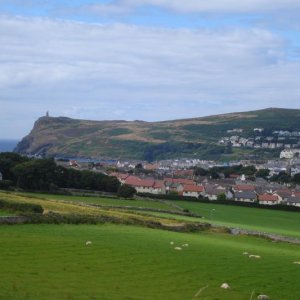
[(107, 201), (274, 221), (279, 222), (124, 262), (134, 262)]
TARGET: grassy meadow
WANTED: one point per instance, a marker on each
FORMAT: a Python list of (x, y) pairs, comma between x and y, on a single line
[(125, 262), (42, 261), (275, 221), (104, 201), (272, 221)]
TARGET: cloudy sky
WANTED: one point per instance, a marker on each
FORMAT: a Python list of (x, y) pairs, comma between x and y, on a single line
[(145, 59)]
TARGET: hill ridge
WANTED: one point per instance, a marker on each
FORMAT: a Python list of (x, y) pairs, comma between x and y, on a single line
[(194, 137)]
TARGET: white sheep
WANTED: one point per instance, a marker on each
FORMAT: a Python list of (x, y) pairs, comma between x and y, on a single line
[(263, 297), (171, 243), (254, 256), (185, 245), (225, 286), (88, 243), (178, 248), (245, 253), (297, 262)]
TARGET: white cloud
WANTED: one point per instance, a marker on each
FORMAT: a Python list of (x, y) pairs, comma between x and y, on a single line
[(228, 6), (129, 72)]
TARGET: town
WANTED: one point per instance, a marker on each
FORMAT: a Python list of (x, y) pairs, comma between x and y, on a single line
[(260, 138), (263, 183)]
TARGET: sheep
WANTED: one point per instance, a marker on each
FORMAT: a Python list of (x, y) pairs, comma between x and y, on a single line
[(297, 262), (254, 256), (225, 286), (171, 243), (185, 245), (178, 248), (245, 253), (263, 297), (88, 243)]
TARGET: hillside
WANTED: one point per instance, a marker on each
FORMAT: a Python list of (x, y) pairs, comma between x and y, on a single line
[(197, 137)]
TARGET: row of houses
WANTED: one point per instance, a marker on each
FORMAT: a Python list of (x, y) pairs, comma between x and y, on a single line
[(212, 189)]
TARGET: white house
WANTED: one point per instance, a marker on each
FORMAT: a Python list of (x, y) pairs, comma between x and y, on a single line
[(267, 199), (289, 153), (193, 190)]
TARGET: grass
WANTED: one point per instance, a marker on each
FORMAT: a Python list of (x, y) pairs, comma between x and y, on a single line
[(66, 207), (265, 220), (106, 201), (127, 262), (273, 221), (5, 213), (124, 262)]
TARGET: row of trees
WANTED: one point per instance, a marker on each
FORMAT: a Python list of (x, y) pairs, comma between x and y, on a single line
[(44, 174)]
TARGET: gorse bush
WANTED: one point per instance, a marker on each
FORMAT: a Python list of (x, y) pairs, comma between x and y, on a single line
[(21, 207)]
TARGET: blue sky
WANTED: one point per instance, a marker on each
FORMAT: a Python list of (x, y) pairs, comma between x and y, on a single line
[(145, 59)]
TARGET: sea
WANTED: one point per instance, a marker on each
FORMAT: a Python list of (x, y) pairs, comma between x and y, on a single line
[(7, 145)]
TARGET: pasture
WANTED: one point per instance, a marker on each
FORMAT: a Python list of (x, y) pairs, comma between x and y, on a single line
[(274, 221), (126, 262), (265, 220), (104, 201)]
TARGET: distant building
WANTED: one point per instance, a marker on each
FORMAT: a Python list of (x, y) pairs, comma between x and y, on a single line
[(289, 153)]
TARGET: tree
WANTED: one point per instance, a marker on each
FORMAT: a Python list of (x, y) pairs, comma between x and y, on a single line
[(201, 172), (297, 178), (35, 174), (221, 197), (8, 160), (138, 166), (126, 191), (263, 173)]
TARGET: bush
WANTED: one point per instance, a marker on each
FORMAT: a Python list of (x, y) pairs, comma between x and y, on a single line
[(21, 207), (5, 184), (126, 191)]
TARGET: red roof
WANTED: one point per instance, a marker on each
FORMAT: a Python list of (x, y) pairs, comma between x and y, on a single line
[(180, 180), (184, 172), (114, 174), (234, 176), (244, 187), (158, 184), (193, 188), (123, 176), (136, 181), (297, 194), (267, 197)]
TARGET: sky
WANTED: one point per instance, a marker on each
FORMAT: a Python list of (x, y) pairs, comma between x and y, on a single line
[(146, 60)]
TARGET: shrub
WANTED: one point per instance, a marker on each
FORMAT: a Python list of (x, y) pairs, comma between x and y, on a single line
[(126, 191), (5, 184), (21, 207)]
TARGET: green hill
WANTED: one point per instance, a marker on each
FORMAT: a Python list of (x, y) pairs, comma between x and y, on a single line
[(197, 137)]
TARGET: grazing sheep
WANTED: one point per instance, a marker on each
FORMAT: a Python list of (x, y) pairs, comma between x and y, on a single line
[(185, 245), (245, 253), (171, 243), (297, 262), (263, 297), (254, 256), (225, 286), (178, 248), (88, 243)]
